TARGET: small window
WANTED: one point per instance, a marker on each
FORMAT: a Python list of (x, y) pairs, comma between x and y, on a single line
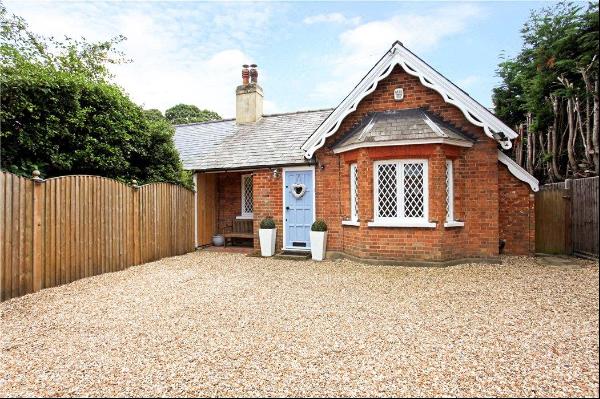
[(354, 192), (449, 191), (401, 191), (247, 196)]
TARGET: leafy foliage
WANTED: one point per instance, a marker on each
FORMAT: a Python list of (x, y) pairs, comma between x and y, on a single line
[(543, 88), (319, 225), (60, 113), (267, 223), (185, 113)]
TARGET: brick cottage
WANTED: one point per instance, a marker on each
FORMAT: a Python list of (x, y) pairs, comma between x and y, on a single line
[(407, 168)]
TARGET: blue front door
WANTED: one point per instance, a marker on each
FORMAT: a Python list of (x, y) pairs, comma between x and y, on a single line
[(298, 208)]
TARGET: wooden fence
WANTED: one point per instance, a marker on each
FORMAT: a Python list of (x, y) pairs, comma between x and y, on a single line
[(584, 219), (59, 230), (566, 217)]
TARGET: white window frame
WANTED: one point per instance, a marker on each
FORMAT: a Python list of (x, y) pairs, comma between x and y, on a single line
[(449, 191), (450, 221), (353, 192), (247, 215), (401, 221)]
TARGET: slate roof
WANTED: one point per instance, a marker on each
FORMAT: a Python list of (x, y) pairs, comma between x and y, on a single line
[(275, 140), (401, 125)]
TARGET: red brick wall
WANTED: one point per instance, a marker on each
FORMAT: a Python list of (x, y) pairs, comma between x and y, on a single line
[(517, 214), (480, 188), (268, 201), (229, 198), (476, 186)]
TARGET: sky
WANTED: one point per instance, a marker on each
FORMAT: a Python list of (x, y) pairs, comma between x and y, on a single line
[(309, 54)]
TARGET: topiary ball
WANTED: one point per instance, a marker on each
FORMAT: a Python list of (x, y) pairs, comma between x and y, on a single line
[(319, 225), (267, 223)]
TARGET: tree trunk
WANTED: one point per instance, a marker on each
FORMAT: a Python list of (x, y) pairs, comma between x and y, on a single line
[(545, 164), (571, 137), (588, 128), (579, 129), (596, 127), (554, 139), (530, 146), (592, 89), (519, 146)]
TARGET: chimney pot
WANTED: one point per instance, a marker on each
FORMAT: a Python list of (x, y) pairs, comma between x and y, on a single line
[(245, 75), (253, 74)]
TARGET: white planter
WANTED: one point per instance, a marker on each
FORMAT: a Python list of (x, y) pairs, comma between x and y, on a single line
[(267, 241), (318, 244)]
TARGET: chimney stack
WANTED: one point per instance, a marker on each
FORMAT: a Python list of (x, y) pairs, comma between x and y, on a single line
[(248, 96)]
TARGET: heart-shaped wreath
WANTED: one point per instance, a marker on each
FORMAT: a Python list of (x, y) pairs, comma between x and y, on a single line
[(298, 190)]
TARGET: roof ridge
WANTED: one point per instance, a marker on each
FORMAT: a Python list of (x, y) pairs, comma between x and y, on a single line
[(298, 112), (264, 116), (204, 122)]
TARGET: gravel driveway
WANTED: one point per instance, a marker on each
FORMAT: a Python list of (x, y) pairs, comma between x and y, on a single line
[(208, 324)]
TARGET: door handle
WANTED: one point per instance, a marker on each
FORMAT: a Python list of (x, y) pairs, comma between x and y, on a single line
[(287, 208)]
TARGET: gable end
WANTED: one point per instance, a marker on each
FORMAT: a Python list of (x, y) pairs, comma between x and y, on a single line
[(474, 112)]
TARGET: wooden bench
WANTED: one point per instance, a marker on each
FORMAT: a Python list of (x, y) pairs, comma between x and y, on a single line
[(240, 228)]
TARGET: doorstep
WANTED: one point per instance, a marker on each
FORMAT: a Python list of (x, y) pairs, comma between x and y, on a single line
[(293, 255)]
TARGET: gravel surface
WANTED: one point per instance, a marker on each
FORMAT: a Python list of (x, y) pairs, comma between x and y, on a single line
[(212, 324)]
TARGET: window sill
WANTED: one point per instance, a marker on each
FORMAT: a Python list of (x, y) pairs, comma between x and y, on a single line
[(454, 223), (245, 217), (426, 225), (350, 223)]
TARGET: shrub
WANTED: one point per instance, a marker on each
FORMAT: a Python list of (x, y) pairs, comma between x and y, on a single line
[(267, 223), (319, 225), (62, 115)]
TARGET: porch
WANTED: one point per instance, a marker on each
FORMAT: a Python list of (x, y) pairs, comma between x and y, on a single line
[(224, 206), (232, 204)]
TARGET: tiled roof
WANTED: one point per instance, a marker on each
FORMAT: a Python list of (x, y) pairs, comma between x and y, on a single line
[(408, 125), (272, 141)]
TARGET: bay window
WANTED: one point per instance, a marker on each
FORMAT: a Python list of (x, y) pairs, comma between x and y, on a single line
[(450, 220), (354, 192), (401, 193)]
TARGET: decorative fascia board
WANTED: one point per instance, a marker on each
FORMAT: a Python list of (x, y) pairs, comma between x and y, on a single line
[(458, 143), (518, 171), (475, 113)]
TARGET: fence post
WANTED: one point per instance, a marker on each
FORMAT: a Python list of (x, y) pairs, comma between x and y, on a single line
[(137, 239), (568, 196), (38, 206)]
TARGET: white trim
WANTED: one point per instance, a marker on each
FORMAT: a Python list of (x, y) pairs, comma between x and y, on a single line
[(251, 217), (518, 171), (350, 223), (428, 225), (291, 169), (246, 215), (353, 177), (195, 179), (475, 113), (454, 223), (458, 143), (400, 221), (450, 191)]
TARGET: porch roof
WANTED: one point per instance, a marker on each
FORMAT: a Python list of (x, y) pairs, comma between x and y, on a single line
[(272, 141)]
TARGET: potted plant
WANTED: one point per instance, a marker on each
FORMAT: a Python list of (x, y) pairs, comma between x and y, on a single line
[(218, 240), (318, 239), (267, 234)]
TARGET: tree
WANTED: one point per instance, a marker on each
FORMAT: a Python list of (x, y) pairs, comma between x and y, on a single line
[(186, 113), (60, 113), (549, 92), (154, 114)]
